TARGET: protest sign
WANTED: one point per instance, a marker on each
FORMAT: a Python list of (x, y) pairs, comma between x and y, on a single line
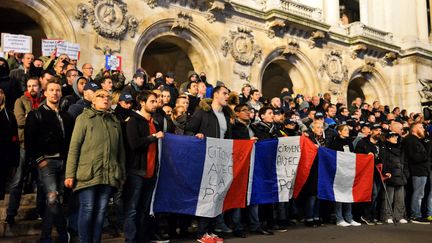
[(16, 43), (49, 45), (68, 48)]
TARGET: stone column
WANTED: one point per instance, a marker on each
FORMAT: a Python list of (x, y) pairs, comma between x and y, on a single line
[(331, 12), (422, 21), (364, 17)]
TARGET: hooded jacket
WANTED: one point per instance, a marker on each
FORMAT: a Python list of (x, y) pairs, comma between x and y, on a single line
[(418, 156), (96, 154), (204, 121), (22, 107), (69, 100), (394, 163)]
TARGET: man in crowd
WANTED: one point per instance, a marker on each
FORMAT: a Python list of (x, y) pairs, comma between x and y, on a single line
[(418, 156), (254, 101), (47, 132), (31, 100), (213, 121), (85, 102), (192, 93), (87, 70), (20, 74), (71, 76), (135, 87), (245, 93)]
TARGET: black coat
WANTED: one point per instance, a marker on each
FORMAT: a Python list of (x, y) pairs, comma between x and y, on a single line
[(394, 163), (241, 131), (138, 139), (365, 146), (204, 121), (339, 143), (264, 130), (44, 133), (418, 156), (9, 143)]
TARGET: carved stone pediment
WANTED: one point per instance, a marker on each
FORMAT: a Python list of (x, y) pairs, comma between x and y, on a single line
[(388, 59), (182, 21), (333, 66), (242, 46), (108, 17), (215, 7)]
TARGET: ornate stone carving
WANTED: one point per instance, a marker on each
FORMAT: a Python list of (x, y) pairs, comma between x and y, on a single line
[(292, 48), (369, 66), (388, 59), (183, 21), (215, 7), (151, 3), (242, 46), (108, 17), (334, 67), (425, 90), (315, 37), (358, 50), (274, 26)]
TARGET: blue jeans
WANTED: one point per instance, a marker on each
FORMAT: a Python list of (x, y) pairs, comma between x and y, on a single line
[(52, 178), (429, 201), (419, 183), (138, 192), (312, 208), (343, 212), (253, 218), (93, 205)]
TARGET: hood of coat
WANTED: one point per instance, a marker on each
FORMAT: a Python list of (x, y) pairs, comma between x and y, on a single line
[(205, 105)]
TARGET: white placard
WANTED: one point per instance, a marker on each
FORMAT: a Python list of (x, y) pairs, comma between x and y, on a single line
[(49, 45), (16, 43), (68, 48)]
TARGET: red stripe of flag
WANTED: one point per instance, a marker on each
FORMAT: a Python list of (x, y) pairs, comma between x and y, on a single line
[(362, 187), (236, 195), (308, 153)]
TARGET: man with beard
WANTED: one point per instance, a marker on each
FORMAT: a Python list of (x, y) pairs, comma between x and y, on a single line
[(372, 145), (142, 134), (31, 100), (47, 132), (418, 154), (19, 75)]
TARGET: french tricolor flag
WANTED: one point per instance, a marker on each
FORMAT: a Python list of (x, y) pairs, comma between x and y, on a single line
[(344, 177), (202, 177)]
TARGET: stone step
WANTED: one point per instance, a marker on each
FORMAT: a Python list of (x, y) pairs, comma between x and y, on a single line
[(24, 213), (26, 200), (21, 228)]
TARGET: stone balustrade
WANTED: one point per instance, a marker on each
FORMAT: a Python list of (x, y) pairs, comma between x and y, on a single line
[(360, 29), (301, 10)]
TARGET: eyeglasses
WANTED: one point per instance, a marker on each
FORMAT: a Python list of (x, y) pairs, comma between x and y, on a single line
[(89, 68)]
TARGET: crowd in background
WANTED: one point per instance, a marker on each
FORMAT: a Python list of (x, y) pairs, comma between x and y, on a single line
[(84, 140)]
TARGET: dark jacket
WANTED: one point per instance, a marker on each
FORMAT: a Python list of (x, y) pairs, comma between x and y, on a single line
[(339, 144), (9, 142), (193, 104), (122, 113), (173, 92), (76, 109), (133, 90), (264, 130), (204, 121), (241, 131), (417, 155), (45, 137), (394, 163), (165, 124), (138, 139), (179, 124), (365, 146)]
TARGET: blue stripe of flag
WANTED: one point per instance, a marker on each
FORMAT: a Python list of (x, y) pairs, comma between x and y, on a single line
[(326, 173), (264, 184), (182, 170)]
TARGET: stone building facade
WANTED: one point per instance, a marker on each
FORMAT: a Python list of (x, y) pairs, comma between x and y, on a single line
[(379, 50)]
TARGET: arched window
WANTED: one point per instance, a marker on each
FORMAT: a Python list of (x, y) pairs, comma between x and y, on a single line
[(349, 11)]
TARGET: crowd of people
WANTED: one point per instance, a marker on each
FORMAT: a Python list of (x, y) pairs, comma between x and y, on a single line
[(84, 140)]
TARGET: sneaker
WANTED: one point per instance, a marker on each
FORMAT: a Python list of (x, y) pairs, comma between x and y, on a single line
[(429, 218), (389, 221), (343, 223), (206, 238), (65, 237), (403, 221), (279, 228), (157, 238), (367, 221), (223, 229), (419, 221), (216, 238), (378, 222), (354, 223)]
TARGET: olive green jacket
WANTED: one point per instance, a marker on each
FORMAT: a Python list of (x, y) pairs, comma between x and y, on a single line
[(96, 153)]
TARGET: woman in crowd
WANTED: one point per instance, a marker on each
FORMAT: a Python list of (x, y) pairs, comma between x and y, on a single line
[(95, 165), (342, 142)]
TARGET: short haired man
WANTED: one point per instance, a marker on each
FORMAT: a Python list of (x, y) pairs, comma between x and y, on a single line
[(87, 70), (48, 131), (254, 101), (71, 76)]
